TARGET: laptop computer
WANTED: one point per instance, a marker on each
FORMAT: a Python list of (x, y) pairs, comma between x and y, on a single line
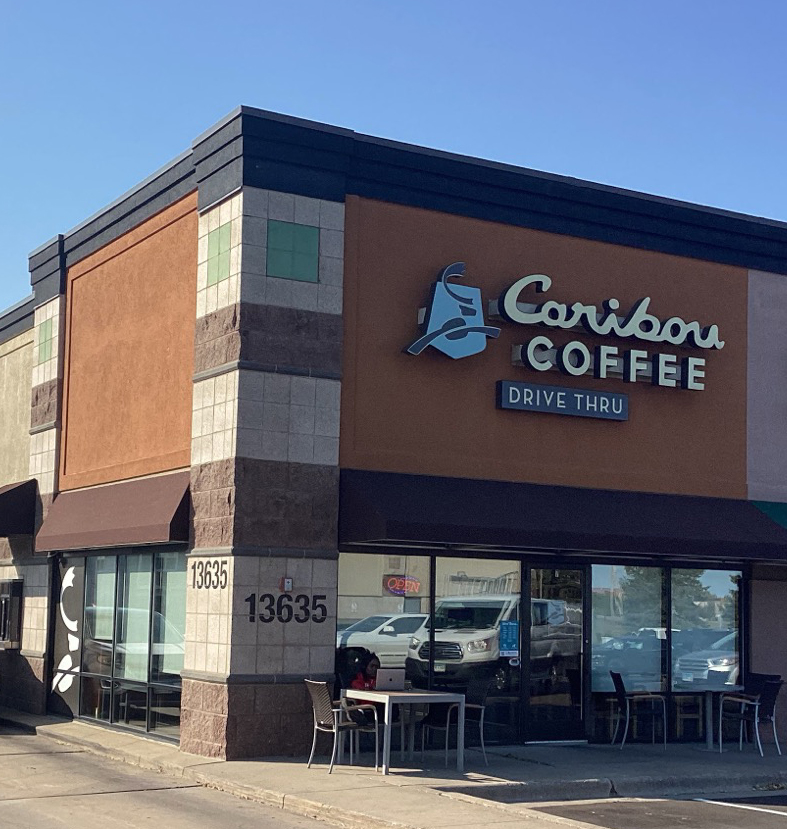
[(389, 679)]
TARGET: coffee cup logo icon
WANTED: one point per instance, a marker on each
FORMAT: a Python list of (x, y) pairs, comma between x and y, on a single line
[(454, 322)]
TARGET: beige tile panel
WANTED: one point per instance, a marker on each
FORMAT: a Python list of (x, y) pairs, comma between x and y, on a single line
[(16, 365), (286, 418)]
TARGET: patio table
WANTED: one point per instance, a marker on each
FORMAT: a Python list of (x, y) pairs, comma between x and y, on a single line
[(412, 698)]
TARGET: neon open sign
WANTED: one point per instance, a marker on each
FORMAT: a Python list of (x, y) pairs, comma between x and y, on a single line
[(399, 585)]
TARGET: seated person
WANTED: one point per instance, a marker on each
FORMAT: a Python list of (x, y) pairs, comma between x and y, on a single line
[(366, 677)]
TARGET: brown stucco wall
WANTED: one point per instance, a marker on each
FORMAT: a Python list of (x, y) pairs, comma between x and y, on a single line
[(16, 365), (433, 415), (129, 353)]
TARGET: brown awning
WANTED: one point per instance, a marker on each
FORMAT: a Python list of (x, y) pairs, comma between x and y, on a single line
[(18, 508), (382, 509), (143, 511)]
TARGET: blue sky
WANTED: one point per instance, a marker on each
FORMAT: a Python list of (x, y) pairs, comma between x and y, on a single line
[(682, 99)]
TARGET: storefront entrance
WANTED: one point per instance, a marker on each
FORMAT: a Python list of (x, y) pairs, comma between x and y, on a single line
[(541, 640), (533, 674)]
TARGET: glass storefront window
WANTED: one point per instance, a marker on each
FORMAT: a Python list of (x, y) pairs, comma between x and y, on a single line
[(705, 629), (132, 634), (132, 657), (629, 627), (383, 601), (99, 615), (169, 618), (556, 625), (477, 636)]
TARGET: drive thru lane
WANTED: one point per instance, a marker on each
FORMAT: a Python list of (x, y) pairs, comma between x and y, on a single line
[(764, 811)]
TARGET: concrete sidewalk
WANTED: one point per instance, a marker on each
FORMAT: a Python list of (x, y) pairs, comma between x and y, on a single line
[(428, 795)]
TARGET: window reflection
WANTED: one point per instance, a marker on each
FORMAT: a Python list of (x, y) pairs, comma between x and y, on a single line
[(99, 615), (383, 600), (629, 627), (121, 625), (133, 617), (169, 619), (705, 625)]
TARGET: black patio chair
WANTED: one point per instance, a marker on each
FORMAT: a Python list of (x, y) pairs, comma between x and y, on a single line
[(627, 699), (336, 718), (442, 717), (753, 710)]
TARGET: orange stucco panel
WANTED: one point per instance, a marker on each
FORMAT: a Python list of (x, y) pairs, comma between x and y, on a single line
[(433, 415), (131, 310)]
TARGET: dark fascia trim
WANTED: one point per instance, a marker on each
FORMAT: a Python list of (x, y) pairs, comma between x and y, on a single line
[(166, 186), (17, 319), (47, 266), (329, 163), (50, 261), (433, 180), (258, 148)]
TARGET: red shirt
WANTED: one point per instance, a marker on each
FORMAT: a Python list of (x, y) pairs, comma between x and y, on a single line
[(362, 683)]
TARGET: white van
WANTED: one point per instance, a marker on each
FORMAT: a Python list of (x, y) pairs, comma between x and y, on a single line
[(467, 638)]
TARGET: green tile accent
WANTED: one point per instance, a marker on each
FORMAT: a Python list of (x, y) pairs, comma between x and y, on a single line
[(219, 242), (224, 265), (45, 341), (224, 237), (293, 251), (213, 243), (213, 270)]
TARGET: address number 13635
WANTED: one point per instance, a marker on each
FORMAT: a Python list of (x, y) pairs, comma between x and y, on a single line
[(287, 608)]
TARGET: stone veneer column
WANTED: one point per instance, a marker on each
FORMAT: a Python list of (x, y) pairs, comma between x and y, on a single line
[(265, 445), (23, 672)]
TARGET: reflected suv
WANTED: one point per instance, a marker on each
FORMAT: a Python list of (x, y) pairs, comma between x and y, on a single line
[(716, 665)]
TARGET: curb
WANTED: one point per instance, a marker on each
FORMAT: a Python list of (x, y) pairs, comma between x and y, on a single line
[(532, 792), (502, 796), (706, 784), (289, 803)]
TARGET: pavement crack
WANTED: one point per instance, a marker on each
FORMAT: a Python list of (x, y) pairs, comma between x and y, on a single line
[(97, 794)]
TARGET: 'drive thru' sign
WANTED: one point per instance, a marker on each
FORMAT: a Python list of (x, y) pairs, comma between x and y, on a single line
[(530, 397)]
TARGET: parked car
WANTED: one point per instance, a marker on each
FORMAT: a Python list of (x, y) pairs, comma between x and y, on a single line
[(710, 668), (637, 657), (387, 635)]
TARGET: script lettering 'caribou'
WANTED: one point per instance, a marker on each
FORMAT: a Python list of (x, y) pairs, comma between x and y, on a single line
[(638, 323)]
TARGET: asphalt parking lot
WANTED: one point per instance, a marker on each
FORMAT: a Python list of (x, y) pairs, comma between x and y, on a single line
[(763, 811)]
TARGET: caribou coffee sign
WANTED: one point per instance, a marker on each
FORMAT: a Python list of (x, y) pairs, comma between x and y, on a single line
[(454, 324)]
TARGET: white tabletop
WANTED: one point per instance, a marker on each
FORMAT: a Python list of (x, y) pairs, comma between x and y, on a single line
[(413, 696), (416, 696)]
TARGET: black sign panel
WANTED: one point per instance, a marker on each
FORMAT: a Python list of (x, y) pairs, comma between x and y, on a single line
[(67, 657), (530, 397)]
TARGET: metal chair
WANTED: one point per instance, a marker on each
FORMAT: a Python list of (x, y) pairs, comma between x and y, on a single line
[(334, 718), (627, 699), (475, 708), (752, 709)]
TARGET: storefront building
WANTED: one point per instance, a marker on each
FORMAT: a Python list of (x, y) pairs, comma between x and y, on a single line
[(304, 392)]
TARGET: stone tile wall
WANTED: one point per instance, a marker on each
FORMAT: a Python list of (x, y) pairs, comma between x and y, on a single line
[(264, 482)]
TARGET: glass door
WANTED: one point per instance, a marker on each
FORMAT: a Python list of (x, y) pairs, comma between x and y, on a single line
[(475, 639), (556, 710)]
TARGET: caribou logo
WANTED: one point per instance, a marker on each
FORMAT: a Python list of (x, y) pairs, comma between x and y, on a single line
[(454, 321)]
